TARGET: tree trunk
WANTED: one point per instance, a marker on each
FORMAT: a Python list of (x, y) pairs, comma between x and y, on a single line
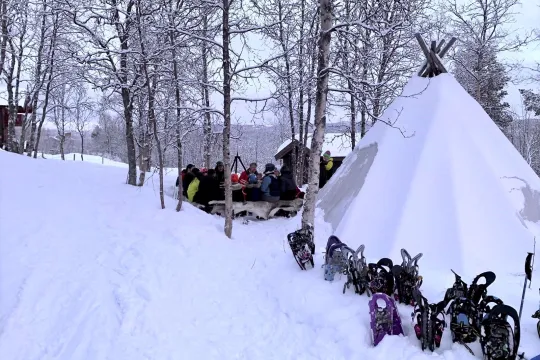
[(12, 109), (207, 129), (151, 88), (5, 33), (52, 47), (152, 117), (350, 69), (127, 100), (20, 55), (310, 93), (82, 146), (144, 143), (227, 120), (179, 160), (300, 158), (130, 139), (289, 86), (308, 216)]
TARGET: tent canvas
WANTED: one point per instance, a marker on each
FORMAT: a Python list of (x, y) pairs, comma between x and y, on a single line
[(451, 186)]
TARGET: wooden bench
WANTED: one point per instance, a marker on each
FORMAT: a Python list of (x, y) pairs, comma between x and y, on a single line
[(262, 209)]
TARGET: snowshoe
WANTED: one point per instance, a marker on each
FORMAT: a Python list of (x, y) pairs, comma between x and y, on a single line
[(303, 247), (430, 321), (381, 279), (484, 307), (357, 272), (459, 289), (406, 278), (385, 319), (463, 320), (499, 340), (477, 292), (335, 258), (536, 315)]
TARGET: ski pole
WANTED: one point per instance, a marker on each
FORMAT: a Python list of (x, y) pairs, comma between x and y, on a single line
[(528, 276), (532, 265)]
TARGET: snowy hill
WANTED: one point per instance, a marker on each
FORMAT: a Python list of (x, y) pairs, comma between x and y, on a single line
[(91, 269)]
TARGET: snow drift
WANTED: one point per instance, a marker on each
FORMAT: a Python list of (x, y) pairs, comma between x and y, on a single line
[(438, 178)]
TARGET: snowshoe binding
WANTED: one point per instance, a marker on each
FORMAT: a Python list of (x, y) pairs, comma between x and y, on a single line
[(303, 247), (357, 272), (459, 289), (463, 320), (335, 258), (381, 279), (385, 319), (477, 292), (430, 321), (484, 307), (499, 340), (406, 278)]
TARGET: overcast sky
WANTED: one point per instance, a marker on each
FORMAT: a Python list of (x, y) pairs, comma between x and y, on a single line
[(526, 20)]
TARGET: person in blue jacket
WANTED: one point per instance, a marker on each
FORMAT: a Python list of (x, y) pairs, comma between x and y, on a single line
[(270, 184)]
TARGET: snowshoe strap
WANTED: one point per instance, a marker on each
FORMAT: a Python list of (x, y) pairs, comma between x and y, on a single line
[(478, 291)]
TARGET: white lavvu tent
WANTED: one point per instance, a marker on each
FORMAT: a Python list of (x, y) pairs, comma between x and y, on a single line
[(442, 180)]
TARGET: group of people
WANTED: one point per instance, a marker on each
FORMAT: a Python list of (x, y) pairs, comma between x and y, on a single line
[(204, 185)]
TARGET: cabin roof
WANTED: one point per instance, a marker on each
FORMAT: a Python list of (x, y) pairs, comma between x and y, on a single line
[(339, 145)]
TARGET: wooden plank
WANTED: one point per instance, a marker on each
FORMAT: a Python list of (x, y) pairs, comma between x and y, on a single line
[(447, 47), (433, 45), (422, 68), (427, 53), (441, 43), (423, 45), (438, 62)]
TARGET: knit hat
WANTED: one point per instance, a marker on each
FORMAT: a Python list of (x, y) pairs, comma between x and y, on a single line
[(326, 155), (269, 167), (219, 163)]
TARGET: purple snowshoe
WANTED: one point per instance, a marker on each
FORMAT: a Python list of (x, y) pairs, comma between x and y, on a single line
[(384, 320)]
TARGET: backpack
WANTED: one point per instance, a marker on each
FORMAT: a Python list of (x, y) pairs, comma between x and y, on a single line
[(252, 178), (273, 189)]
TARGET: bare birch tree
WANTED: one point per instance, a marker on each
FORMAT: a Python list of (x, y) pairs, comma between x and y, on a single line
[(325, 11)]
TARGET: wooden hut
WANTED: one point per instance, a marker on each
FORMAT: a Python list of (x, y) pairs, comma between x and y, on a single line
[(338, 144), (4, 119)]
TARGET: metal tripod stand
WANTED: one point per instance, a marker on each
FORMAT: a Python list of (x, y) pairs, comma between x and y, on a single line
[(235, 164)]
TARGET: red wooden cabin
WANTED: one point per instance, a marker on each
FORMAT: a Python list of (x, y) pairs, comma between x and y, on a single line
[(4, 116)]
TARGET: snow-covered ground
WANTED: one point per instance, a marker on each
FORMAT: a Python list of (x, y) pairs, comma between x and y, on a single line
[(91, 268)]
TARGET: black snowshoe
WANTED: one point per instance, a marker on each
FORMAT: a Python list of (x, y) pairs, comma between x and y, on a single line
[(357, 272), (464, 324), (336, 258), (499, 340), (381, 279), (430, 321), (536, 315), (303, 247), (406, 278)]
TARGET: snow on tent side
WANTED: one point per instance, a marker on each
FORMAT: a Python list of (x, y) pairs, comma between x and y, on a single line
[(451, 186)]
